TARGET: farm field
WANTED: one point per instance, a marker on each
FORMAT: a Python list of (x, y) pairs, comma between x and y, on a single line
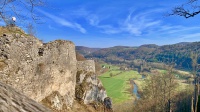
[(117, 86), (117, 83)]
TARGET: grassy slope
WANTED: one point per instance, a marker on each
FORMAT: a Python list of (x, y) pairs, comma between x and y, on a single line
[(117, 86), (9, 30)]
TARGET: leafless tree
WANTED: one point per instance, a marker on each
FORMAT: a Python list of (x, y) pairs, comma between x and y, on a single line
[(158, 92), (31, 29), (21, 9), (187, 10), (196, 68)]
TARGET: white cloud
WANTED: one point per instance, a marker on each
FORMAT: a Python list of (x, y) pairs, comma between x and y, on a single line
[(132, 24), (108, 29), (191, 36), (80, 27), (51, 27), (147, 23), (139, 23), (93, 20), (64, 22), (178, 32)]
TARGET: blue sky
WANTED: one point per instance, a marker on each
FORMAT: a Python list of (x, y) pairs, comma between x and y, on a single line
[(106, 23)]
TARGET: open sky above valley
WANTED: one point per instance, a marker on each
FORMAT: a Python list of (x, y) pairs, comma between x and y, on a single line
[(106, 23)]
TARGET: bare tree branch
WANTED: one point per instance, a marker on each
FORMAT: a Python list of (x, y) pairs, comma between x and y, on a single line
[(180, 11), (19, 9), (187, 10)]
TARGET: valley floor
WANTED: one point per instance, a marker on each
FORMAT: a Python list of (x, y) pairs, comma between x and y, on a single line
[(119, 87), (117, 84)]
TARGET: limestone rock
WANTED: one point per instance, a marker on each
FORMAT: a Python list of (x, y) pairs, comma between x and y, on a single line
[(95, 90), (13, 101), (87, 65), (47, 73), (38, 69), (88, 87), (55, 102)]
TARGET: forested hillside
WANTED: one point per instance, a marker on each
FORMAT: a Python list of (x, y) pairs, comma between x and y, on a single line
[(152, 54), (85, 50)]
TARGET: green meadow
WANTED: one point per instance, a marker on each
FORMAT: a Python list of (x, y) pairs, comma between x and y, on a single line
[(117, 86)]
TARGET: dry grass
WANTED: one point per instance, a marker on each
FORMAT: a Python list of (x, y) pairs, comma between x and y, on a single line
[(11, 30), (127, 106), (80, 107), (139, 83), (183, 72), (181, 85), (3, 30)]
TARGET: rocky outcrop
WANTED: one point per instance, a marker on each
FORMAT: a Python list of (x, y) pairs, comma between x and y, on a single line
[(87, 65), (36, 69), (47, 73), (88, 87), (56, 102), (13, 101)]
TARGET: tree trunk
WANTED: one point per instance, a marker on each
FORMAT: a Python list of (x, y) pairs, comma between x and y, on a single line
[(192, 108), (196, 94)]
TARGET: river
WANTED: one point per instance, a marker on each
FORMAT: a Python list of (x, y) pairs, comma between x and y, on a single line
[(135, 90)]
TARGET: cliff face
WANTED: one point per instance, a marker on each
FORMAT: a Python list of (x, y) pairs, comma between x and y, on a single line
[(13, 101), (87, 65), (47, 73), (38, 69), (88, 87)]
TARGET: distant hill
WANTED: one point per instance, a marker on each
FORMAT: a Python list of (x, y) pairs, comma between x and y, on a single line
[(183, 43), (86, 50), (177, 53), (122, 52)]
